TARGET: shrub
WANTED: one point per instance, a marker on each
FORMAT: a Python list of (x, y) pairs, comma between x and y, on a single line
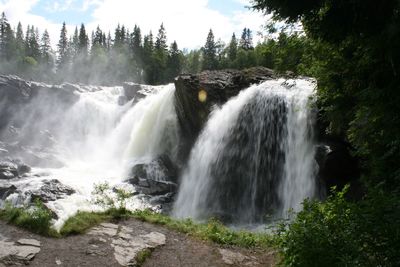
[(342, 233), (112, 199)]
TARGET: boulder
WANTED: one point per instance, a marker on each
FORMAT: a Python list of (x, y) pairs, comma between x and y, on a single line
[(196, 94), (151, 187), (13, 168), (6, 190), (51, 190), (159, 169), (132, 91), (8, 170)]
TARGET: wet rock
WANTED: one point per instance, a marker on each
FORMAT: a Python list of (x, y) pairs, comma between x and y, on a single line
[(133, 91), (151, 187), (6, 190), (158, 169), (8, 170), (196, 94), (51, 190)]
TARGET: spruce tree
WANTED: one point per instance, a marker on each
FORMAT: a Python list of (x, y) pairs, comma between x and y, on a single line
[(7, 39), (83, 42), (246, 40), (161, 40), (45, 49), (75, 44), (136, 43), (20, 43), (232, 49), (210, 53), (174, 63), (62, 47)]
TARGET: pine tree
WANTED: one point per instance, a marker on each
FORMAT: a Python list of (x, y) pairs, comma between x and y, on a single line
[(75, 44), (34, 43), (7, 39), (246, 41), (174, 63), (136, 43), (62, 47), (20, 43), (98, 37), (45, 49), (109, 41), (232, 48), (161, 40), (83, 42), (210, 53)]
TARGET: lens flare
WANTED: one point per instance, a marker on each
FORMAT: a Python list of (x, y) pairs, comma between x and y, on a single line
[(202, 95)]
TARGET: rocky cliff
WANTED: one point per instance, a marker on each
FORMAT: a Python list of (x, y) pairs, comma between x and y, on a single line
[(196, 94)]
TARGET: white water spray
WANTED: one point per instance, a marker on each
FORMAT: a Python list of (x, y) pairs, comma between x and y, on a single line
[(91, 141)]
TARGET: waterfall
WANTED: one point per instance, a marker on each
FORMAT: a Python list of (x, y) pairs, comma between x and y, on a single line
[(92, 140), (255, 156)]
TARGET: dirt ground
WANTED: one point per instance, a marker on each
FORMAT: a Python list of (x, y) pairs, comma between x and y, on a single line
[(179, 250)]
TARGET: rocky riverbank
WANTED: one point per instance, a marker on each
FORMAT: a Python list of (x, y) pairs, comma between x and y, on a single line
[(126, 243)]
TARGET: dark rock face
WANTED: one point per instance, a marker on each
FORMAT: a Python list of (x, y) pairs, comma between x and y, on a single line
[(132, 90), (155, 178), (51, 190), (15, 92), (218, 86), (159, 169), (151, 187), (8, 170), (6, 190), (337, 167)]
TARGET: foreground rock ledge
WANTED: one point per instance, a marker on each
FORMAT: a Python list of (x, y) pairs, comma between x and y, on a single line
[(216, 88)]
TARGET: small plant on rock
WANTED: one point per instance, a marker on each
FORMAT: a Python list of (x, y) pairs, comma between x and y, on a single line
[(114, 200)]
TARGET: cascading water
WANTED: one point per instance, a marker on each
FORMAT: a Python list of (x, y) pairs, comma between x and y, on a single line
[(87, 141), (254, 157)]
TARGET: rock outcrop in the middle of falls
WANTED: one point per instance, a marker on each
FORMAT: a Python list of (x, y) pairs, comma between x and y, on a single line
[(196, 94)]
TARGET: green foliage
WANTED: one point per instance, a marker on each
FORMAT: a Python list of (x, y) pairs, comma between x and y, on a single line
[(36, 218), (342, 233), (112, 199), (213, 230), (81, 222), (210, 61), (356, 61), (142, 256)]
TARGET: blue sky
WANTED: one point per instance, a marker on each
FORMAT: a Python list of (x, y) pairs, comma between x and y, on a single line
[(186, 21)]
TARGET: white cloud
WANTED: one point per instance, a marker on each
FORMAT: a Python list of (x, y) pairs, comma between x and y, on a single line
[(59, 5), (187, 22)]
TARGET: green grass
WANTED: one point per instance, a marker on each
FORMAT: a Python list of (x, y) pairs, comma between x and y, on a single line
[(213, 230), (36, 219), (142, 256), (81, 222), (39, 221)]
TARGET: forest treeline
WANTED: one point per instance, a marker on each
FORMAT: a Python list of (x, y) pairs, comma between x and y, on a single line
[(112, 58)]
